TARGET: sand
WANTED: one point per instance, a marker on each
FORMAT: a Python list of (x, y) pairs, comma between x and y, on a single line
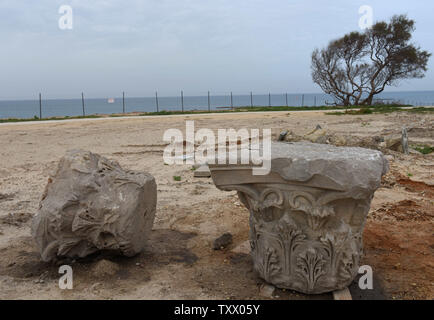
[(179, 262)]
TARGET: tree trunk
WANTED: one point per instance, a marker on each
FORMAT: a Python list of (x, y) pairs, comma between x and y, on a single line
[(368, 100)]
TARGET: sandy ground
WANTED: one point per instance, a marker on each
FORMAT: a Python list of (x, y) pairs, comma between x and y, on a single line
[(179, 262)]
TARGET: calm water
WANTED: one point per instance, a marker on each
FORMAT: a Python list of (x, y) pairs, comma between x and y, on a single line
[(73, 107)]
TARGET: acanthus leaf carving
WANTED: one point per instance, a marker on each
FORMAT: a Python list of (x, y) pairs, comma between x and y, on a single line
[(310, 268), (308, 257), (317, 213)]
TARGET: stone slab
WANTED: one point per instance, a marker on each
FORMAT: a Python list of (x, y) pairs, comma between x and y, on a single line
[(202, 172)]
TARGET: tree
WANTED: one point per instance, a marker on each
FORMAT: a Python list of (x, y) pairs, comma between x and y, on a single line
[(356, 67)]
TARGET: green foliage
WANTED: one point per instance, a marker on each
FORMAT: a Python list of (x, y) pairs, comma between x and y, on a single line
[(383, 109), (358, 66), (424, 149), (348, 110), (36, 118), (421, 110), (365, 111)]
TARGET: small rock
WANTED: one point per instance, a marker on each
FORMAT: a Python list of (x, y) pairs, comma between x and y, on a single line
[(292, 137), (343, 294), (283, 135), (202, 172), (196, 165), (104, 268), (222, 241), (413, 151), (266, 290), (317, 136), (243, 248), (389, 157)]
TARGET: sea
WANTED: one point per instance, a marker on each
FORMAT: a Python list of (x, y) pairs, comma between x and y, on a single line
[(117, 104)]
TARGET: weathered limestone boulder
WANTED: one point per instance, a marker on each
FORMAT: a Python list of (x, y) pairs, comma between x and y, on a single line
[(308, 213), (92, 204)]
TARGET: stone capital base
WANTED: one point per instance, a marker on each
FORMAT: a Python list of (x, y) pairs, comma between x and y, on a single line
[(307, 216)]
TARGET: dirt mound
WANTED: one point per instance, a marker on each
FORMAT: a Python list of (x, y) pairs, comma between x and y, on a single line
[(421, 132), (406, 210), (385, 142), (417, 186), (402, 255), (322, 136)]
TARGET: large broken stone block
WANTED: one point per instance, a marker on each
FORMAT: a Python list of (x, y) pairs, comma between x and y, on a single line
[(307, 215), (92, 204)]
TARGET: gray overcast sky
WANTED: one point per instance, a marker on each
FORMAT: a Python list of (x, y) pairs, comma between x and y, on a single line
[(169, 45)]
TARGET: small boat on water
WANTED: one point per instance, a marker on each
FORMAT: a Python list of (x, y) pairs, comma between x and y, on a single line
[(111, 100)]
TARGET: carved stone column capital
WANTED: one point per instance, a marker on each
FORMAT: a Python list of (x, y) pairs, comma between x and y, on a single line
[(307, 215)]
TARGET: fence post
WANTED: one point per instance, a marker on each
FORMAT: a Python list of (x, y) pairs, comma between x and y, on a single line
[(156, 101), (251, 99), (209, 103), (302, 100), (286, 98), (40, 106), (123, 102), (82, 103), (232, 101), (269, 99), (182, 101)]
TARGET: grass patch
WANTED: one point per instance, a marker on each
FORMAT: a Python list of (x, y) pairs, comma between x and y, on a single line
[(347, 110), (241, 109), (424, 149), (421, 110), (383, 109), (35, 118), (168, 113), (177, 178)]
